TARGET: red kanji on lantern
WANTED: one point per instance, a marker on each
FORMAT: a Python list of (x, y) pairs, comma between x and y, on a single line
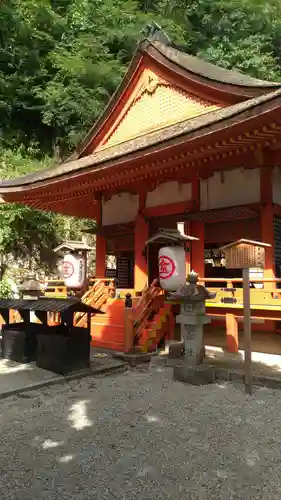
[(167, 267), (68, 269)]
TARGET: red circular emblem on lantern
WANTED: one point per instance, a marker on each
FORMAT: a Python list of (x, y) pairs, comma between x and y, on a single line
[(68, 269), (167, 267)]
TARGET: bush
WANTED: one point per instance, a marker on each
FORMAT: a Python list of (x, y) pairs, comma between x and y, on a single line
[(6, 291)]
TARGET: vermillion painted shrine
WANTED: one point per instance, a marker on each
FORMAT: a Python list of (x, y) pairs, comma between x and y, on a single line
[(181, 140)]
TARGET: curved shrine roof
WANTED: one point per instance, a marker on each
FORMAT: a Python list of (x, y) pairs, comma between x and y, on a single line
[(250, 101), (210, 71), (188, 129)]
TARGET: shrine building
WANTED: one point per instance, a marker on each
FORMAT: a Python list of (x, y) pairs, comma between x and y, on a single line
[(181, 140)]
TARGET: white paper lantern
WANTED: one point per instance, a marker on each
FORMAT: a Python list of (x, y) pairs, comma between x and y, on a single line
[(172, 267), (74, 270)]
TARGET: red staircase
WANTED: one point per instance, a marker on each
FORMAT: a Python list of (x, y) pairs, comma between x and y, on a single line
[(108, 329), (153, 319), (158, 329), (145, 325)]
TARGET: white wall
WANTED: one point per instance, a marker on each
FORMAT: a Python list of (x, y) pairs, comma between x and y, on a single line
[(234, 187), (119, 209), (276, 181), (167, 193)]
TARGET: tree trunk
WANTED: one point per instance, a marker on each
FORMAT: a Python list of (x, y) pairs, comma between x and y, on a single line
[(3, 266)]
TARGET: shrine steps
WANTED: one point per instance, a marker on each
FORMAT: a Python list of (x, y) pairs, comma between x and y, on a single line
[(159, 329), (107, 330)]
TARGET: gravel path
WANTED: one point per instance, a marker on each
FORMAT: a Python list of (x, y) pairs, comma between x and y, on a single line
[(142, 436)]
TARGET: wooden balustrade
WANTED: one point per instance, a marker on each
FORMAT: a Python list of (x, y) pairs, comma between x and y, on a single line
[(230, 283), (147, 305), (238, 280), (101, 289)]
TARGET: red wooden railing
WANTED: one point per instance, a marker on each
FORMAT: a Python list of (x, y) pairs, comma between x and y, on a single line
[(231, 282), (97, 295), (238, 280), (149, 304)]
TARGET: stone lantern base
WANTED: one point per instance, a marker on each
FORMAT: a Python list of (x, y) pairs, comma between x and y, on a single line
[(192, 318), (198, 375)]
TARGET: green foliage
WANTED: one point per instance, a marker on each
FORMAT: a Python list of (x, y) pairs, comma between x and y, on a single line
[(89, 63), (21, 160), (29, 31), (6, 291), (26, 233), (61, 60), (60, 63), (241, 34)]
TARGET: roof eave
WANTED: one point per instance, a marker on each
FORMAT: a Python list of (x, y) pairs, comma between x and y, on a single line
[(132, 149)]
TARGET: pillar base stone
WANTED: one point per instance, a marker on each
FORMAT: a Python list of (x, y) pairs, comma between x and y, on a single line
[(198, 375), (176, 349), (134, 358)]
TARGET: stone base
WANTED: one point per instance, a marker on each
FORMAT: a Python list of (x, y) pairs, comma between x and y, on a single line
[(199, 375), (134, 358), (176, 349)]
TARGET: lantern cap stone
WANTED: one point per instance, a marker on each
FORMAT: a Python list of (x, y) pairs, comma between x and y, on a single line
[(72, 246), (30, 284), (170, 236), (245, 242), (191, 291)]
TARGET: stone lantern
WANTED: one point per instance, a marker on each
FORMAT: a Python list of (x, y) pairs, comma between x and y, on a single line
[(31, 289), (192, 317)]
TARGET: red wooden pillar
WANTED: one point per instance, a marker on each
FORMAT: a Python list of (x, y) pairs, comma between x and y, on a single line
[(197, 248), (100, 248), (141, 267), (267, 236), (231, 333), (267, 224), (100, 256), (267, 232), (187, 229)]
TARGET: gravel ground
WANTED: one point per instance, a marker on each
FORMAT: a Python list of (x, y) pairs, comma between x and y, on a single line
[(142, 436)]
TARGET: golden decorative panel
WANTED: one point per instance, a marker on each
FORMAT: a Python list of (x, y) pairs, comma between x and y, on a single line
[(155, 104)]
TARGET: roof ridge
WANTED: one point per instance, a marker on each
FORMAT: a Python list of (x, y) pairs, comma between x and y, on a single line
[(154, 33), (208, 69)]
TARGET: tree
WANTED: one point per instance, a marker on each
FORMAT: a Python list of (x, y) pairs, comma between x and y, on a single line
[(29, 234), (26, 233), (239, 35), (61, 60), (29, 30), (90, 61)]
